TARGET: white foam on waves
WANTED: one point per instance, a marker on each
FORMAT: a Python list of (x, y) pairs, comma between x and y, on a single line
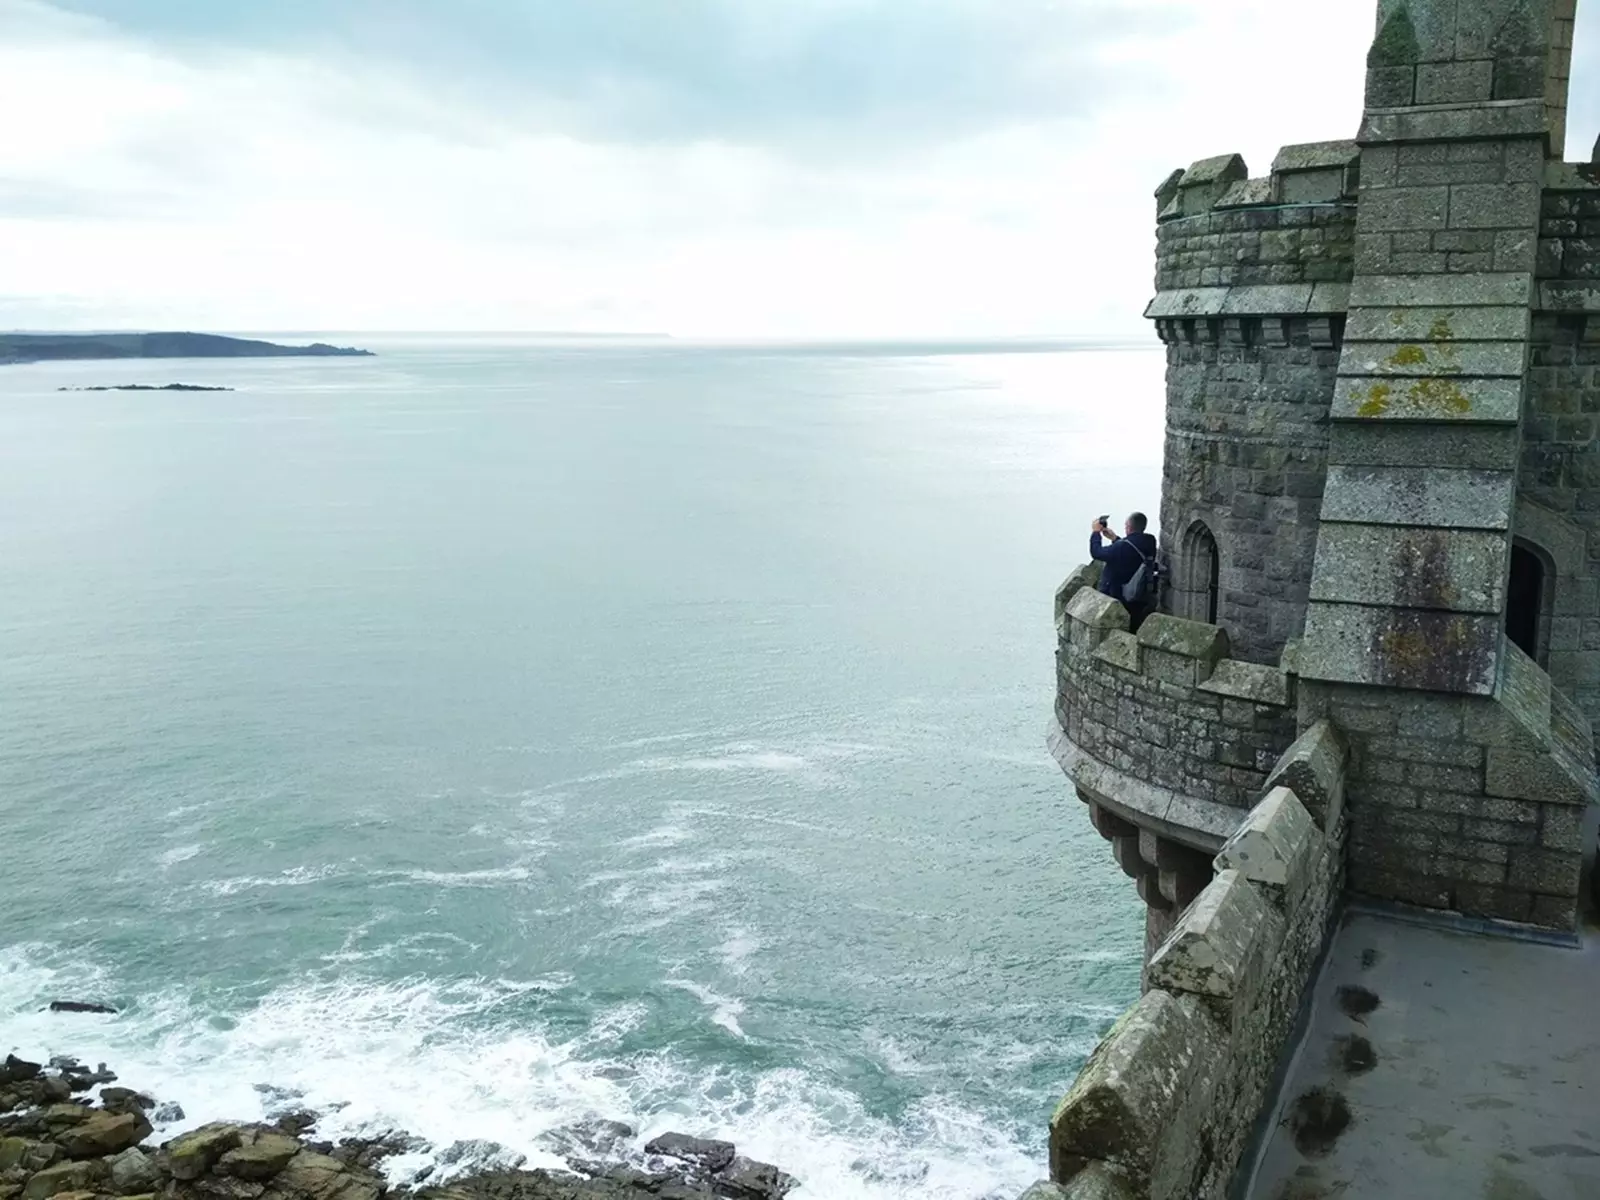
[(459, 1061)]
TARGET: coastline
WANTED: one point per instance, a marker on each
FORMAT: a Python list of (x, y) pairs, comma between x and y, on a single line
[(72, 1133)]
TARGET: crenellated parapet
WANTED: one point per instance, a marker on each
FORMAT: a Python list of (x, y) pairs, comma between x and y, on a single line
[(1168, 1104), (1242, 260), (1167, 739)]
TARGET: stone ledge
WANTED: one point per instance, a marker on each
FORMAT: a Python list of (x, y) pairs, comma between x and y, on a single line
[(1275, 843), (1218, 941), (1187, 639), (1437, 398), (1199, 824), (1120, 650), (1257, 300), (1249, 681), (1133, 1088), (1085, 576), (1313, 769)]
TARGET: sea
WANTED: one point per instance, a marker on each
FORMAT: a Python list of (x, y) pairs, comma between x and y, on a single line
[(502, 732)]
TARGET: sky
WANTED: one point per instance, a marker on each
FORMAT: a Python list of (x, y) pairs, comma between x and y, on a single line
[(705, 168)]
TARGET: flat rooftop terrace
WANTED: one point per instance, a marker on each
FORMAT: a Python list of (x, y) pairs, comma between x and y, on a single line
[(1443, 1064)]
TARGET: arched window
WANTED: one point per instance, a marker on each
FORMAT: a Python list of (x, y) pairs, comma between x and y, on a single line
[(1530, 600), (1197, 574)]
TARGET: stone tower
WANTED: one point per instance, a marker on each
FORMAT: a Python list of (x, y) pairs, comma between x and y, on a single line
[(1381, 506)]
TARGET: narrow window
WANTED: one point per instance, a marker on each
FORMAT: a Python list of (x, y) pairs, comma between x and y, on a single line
[(1528, 596)]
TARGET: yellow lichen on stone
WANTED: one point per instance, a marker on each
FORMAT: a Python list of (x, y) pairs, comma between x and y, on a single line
[(1377, 401), (1438, 396), (1407, 356)]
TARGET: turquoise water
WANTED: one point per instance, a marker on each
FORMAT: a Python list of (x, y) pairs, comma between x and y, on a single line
[(493, 733)]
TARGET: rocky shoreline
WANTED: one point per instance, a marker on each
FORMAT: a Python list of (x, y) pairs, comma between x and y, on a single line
[(57, 1144)]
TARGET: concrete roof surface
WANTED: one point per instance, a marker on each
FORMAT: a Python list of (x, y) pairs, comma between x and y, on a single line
[(1443, 1064)]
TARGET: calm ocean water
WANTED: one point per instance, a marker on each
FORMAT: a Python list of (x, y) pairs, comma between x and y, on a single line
[(493, 733)]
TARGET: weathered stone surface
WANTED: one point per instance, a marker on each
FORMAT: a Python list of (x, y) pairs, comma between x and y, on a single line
[(1216, 941), (1086, 576), (706, 1153), (1412, 324), (1098, 611), (1120, 650), (134, 1173), (16, 1070), (193, 1154), (1125, 1099), (1437, 398), (1394, 444), (261, 1159), (64, 1177), (319, 1177), (1433, 651), (1188, 639), (1247, 193), (1275, 842), (1313, 769), (1409, 359), (1261, 299), (1248, 681), (1434, 497), (1522, 774), (1412, 567), (1096, 1182), (746, 1179), (1507, 289), (103, 1133)]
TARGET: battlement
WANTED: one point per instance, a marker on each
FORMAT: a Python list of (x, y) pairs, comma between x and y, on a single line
[(1166, 727), (1380, 530), (1166, 1108)]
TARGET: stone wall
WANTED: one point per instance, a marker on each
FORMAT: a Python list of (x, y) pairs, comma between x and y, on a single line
[(1252, 281), (1166, 1108), (1468, 804), (1167, 709), (1558, 515)]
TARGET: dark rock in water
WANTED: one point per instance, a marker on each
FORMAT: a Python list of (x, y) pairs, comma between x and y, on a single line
[(79, 1006), (121, 1099), (708, 1155), (51, 1090), (744, 1178), (168, 1113), (369, 1152), (52, 1149), (16, 1070), (478, 1155), (298, 1122), (594, 1138)]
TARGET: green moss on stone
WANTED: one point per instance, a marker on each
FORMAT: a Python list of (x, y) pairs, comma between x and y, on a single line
[(1396, 44)]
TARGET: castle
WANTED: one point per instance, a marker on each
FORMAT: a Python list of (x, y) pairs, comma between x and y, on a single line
[(1371, 693)]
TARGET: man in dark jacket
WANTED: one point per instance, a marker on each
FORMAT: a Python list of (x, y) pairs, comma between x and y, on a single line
[(1122, 558)]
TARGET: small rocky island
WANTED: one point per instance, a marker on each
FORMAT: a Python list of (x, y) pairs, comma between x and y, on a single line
[(69, 347), (147, 387), (55, 1144)]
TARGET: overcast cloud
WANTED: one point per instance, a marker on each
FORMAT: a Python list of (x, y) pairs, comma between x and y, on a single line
[(703, 167)]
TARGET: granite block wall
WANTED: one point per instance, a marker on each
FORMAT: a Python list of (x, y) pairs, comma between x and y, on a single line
[(1167, 1105)]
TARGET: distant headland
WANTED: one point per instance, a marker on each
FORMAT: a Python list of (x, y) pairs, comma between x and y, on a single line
[(147, 387), (61, 347)]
